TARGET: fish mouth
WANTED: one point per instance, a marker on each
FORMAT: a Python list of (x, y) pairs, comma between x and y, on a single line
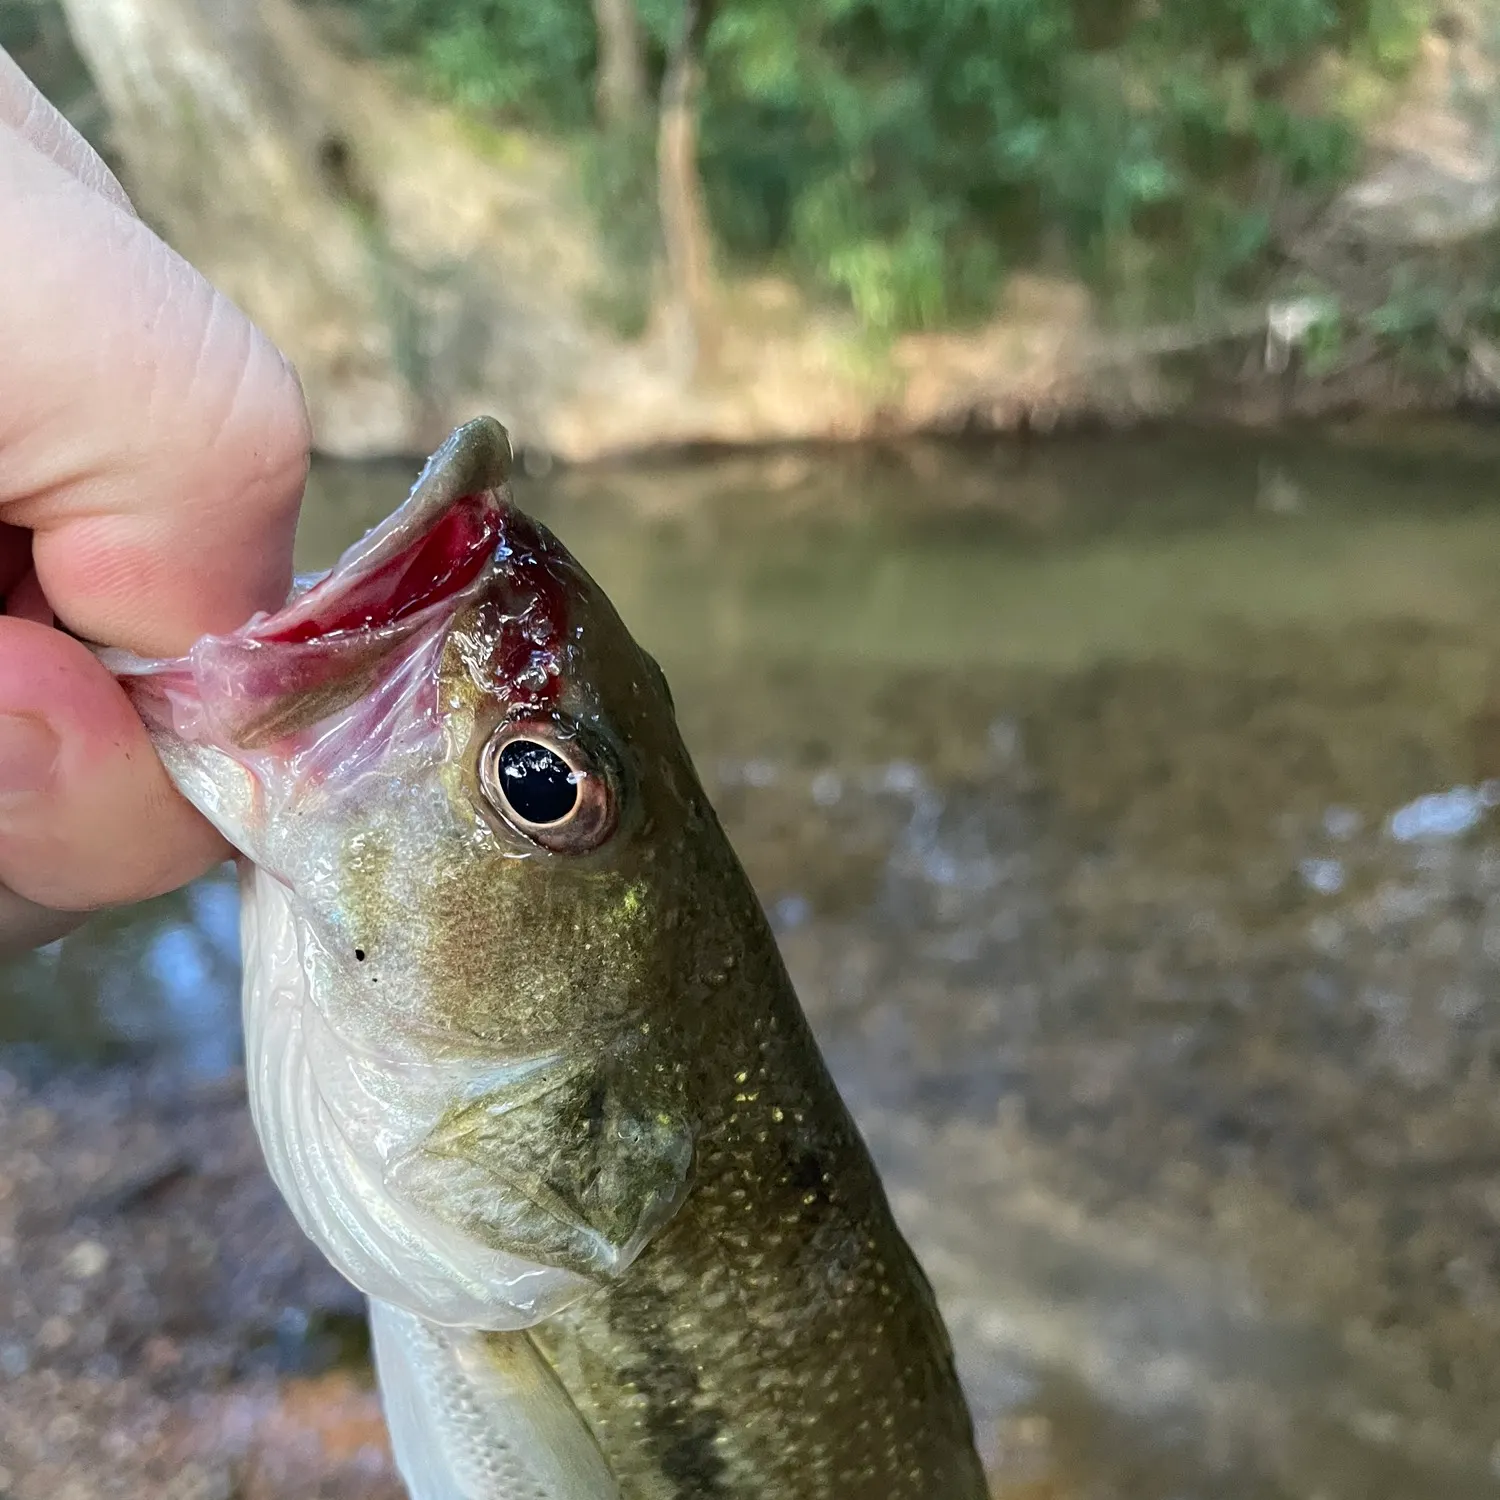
[(431, 547), (282, 671)]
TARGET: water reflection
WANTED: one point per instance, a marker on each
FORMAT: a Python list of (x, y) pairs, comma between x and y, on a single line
[(1443, 815), (1131, 842), (161, 979)]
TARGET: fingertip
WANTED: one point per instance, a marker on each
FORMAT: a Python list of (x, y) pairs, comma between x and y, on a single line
[(101, 824)]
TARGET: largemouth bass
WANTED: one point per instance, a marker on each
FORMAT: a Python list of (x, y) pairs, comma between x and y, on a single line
[(521, 1051)]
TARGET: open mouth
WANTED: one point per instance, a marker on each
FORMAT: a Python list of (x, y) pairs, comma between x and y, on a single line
[(281, 672), (431, 548)]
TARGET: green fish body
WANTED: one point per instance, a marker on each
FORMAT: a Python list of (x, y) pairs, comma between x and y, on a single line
[(521, 1050)]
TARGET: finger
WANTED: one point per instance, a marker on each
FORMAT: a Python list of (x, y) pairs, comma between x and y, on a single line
[(87, 815), (152, 439), (33, 118)]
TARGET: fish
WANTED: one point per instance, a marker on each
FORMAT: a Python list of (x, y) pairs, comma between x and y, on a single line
[(521, 1051)]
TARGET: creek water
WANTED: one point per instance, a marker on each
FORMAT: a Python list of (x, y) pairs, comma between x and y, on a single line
[(1123, 806)]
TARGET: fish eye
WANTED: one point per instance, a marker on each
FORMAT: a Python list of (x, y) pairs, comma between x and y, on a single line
[(548, 786)]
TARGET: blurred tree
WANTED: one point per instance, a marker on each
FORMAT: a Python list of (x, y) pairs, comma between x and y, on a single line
[(685, 232), (901, 154), (620, 76)]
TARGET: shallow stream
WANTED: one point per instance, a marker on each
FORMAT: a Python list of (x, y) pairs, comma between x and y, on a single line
[(1124, 809)]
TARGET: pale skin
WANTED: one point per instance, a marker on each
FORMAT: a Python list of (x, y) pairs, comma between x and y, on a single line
[(153, 449)]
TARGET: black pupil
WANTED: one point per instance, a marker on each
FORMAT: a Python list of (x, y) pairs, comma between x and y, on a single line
[(538, 784)]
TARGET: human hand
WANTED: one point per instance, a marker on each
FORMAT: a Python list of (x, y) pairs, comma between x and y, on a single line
[(153, 448)]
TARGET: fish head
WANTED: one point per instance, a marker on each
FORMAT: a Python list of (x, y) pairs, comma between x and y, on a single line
[(475, 851)]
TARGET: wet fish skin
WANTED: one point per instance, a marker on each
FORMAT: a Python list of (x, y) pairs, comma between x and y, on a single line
[(558, 1112)]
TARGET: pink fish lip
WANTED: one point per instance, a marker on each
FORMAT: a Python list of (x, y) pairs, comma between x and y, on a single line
[(244, 688), (433, 546)]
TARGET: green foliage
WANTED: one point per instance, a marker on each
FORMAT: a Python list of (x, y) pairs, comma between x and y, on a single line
[(901, 154), (1324, 342), (1425, 319), (532, 58), (1393, 32)]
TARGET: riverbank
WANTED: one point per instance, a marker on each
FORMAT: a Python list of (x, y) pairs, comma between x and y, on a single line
[(421, 263)]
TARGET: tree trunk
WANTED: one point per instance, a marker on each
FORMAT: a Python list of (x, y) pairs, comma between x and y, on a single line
[(686, 236), (620, 76), (233, 158)]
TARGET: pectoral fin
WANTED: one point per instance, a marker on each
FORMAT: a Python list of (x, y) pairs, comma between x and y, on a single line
[(575, 1168), (481, 1416)]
